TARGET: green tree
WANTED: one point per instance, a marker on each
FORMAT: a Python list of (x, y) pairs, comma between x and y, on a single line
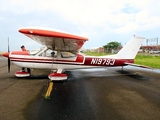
[(112, 46)]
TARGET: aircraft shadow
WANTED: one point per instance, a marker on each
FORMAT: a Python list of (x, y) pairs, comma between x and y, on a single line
[(133, 74)]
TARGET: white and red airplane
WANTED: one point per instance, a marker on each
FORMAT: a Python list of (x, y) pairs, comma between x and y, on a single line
[(61, 52)]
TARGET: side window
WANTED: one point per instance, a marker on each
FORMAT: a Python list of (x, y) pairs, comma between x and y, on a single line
[(49, 53), (67, 54)]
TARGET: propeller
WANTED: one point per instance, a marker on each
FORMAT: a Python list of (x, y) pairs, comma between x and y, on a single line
[(9, 62)]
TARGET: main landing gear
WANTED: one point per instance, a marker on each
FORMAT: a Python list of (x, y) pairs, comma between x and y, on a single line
[(54, 77), (57, 76)]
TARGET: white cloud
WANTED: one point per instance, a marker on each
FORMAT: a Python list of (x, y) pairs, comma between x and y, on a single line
[(92, 18), (130, 26), (90, 12)]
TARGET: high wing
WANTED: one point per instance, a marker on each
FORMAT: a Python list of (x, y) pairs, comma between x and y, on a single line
[(54, 39)]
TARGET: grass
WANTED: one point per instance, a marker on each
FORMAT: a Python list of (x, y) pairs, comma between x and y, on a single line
[(148, 60), (142, 59), (0, 53), (96, 53)]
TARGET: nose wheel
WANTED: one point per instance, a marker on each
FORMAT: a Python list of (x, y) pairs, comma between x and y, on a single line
[(22, 74)]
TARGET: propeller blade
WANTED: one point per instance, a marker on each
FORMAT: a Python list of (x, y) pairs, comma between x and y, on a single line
[(9, 62), (8, 45)]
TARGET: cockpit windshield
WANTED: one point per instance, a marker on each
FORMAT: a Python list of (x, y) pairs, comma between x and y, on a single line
[(34, 52)]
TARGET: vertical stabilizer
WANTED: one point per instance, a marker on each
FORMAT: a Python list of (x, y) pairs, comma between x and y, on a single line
[(130, 50)]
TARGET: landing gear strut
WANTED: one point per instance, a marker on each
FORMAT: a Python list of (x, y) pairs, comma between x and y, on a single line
[(49, 90), (122, 68)]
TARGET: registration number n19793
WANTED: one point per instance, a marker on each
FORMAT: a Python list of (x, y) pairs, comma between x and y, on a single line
[(102, 61)]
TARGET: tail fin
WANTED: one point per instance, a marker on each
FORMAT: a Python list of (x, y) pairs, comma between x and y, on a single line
[(130, 50)]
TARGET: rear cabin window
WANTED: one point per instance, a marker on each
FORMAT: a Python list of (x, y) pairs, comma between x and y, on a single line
[(67, 54)]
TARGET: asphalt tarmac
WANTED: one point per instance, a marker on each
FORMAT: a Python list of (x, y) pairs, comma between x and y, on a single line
[(95, 94)]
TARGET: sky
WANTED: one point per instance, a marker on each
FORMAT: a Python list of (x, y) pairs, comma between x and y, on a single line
[(101, 21)]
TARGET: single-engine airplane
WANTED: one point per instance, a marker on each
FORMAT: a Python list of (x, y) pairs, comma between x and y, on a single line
[(61, 52)]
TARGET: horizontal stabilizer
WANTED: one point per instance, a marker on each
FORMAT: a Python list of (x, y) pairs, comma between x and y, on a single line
[(137, 65)]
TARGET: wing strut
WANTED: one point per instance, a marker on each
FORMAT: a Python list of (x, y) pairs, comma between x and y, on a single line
[(64, 42), (53, 45)]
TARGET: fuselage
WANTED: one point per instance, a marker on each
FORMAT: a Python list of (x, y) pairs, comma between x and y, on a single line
[(44, 59)]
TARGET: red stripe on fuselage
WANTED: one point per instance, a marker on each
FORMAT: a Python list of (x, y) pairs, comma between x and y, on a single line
[(79, 59), (50, 61), (88, 61)]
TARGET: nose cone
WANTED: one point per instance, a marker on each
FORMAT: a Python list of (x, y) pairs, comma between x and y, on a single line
[(6, 54)]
